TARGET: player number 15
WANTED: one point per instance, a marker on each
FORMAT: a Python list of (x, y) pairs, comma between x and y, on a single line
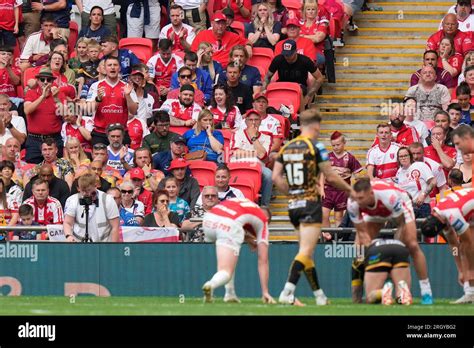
[(295, 174)]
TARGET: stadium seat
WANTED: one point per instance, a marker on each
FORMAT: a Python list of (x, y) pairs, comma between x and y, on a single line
[(429, 124), (239, 27), (261, 59), (203, 171), (287, 93), (179, 130), (142, 47), (227, 134), (285, 125), (74, 33), (247, 188), (294, 8), (246, 171)]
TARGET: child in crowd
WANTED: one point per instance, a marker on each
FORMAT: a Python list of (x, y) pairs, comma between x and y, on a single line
[(463, 95), (81, 55), (26, 219), (88, 72), (177, 205)]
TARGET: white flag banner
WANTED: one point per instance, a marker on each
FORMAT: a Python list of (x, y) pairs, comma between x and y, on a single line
[(56, 233), (149, 234)]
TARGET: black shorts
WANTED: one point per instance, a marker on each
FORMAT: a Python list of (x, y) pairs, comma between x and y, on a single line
[(384, 258), (306, 212)]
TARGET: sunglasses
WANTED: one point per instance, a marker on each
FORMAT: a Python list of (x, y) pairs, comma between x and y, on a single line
[(163, 201), (185, 76), (96, 168), (45, 80), (127, 191), (210, 196), (99, 147)]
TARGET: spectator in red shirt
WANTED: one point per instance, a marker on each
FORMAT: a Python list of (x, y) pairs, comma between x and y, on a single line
[(185, 78), (449, 59), (222, 41), (316, 27), (462, 41), (42, 119), (443, 77), (242, 9), (138, 178), (402, 134), (9, 21), (439, 152), (304, 46), (9, 75)]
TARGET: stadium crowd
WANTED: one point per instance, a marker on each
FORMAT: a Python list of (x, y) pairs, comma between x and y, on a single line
[(183, 104)]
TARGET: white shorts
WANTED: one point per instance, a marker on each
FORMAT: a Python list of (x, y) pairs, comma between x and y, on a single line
[(135, 26), (408, 213), (223, 231)]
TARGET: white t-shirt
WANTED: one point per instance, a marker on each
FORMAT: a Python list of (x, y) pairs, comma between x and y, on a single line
[(415, 179), (145, 106), (99, 227), (34, 45), (222, 195), (241, 141), (437, 171), (384, 162), (465, 25), (188, 4), (165, 32), (421, 128)]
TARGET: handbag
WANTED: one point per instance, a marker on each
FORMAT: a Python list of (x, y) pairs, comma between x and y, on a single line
[(199, 155)]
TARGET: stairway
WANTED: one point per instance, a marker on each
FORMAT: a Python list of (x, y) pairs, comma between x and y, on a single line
[(373, 67)]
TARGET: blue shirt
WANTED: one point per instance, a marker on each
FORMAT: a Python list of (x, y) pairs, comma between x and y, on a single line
[(196, 142), (127, 218), (249, 76), (127, 59), (466, 116), (162, 161), (203, 82), (219, 70), (97, 35)]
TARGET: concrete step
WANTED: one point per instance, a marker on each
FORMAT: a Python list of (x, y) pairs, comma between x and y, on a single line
[(363, 91), (433, 24), (411, 6), (397, 30), (354, 115), (383, 57), (377, 65), (358, 98), (364, 74), (362, 39), (377, 48), (342, 111), (399, 14), (372, 83)]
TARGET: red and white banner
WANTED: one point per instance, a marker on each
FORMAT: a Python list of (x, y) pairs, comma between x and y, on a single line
[(149, 234)]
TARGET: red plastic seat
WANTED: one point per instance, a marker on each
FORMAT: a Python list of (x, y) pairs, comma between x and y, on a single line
[(179, 129), (285, 125), (239, 27), (204, 178), (141, 47), (261, 59), (287, 93), (246, 171), (429, 124), (73, 35), (227, 134), (294, 8), (247, 188), (202, 166)]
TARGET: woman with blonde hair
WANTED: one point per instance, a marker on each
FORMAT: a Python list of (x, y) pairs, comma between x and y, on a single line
[(315, 26), (204, 137), (75, 154), (468, 61), (206, 63), (264, 31)]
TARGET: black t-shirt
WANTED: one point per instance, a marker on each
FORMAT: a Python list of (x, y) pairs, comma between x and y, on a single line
[(296, 72), (242, 96), (263, 40), (150, 220)]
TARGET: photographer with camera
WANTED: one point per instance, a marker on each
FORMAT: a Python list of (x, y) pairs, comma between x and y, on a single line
[(91, 215)]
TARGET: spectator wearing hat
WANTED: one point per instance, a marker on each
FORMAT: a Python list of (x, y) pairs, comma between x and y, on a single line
[(162, 160), (241, 9), (126, 58), (112, 101), (229, 14), (184, 76), (160, 139), (183, 111), (137, 176), (204, 137), (200, 79), (37, 44), (264, 31), (241, 92), (42, 118), (120, 156), (249, 144), (179, 33), (188, 186), (142, 160), (463, 12), (294, 67), (221, 40)]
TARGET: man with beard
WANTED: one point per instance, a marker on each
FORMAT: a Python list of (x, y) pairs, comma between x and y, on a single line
[(179, 33), (152, 177), (120, 156), (126, 58), (111, 99), (160, 139), (162, 66), (443, 77), (463, 10), (183, 111), (402, 134), (241, 92)]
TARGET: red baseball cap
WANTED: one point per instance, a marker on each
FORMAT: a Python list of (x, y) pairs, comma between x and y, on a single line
[(260, 95), (293, 21), (178, 163), (251, 111), (137, 72), (137, 173), (219, 16)]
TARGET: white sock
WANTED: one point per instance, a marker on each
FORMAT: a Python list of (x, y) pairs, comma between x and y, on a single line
[(289, 288), (219, 279), (465, 286), (469, 290), (229, 287), (425, 287), (318, 293)]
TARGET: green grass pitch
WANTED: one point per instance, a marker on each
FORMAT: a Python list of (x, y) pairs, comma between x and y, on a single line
[(86, 305)]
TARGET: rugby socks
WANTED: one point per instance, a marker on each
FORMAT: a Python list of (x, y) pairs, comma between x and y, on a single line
[(295, 271), (229, 287), (425, 287), (219, 279)]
